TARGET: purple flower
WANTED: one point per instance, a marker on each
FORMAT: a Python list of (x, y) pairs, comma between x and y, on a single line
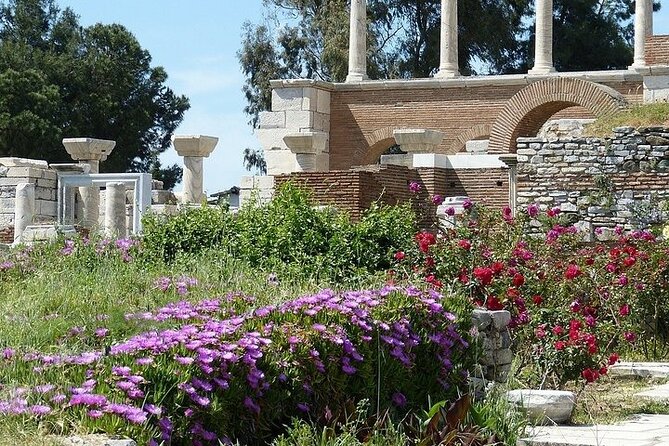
[(533, 210), (450, 211), (467, 204), (414, 187), (8, 353), (95, 414), (303, 407), (144, 361), (399, 399), (88, 399), (251, 405), (437, 199), (101, 332), (40, 410)]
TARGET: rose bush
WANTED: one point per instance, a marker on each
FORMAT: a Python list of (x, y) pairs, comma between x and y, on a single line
[(574, 306)]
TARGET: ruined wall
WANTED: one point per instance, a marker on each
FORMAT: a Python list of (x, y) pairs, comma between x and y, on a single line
[(362, 117), (657, 50), (600, 182)]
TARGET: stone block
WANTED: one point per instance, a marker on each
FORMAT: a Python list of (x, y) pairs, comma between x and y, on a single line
[(45, 193), (272, 120), (568, 207), (264, 182), (47, 182), (280, 161), (246, 182), (46, 207), (309, 99), (7, 205), (299, 119), (50, 175), (500, 319), (15, 181), (482, 319), (526, 152), (321, 122), (287, 99), (23, 162), (272, 139), (323, 102), (544, 405), (19, 172)]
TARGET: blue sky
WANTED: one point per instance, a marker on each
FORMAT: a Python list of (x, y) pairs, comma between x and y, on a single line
[(197, 43)]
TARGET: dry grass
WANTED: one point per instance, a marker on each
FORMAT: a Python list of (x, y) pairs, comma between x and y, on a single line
[(648, 115), (612, 400)]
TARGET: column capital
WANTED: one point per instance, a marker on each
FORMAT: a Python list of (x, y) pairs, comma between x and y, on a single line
[(194, 145), (88, 149)]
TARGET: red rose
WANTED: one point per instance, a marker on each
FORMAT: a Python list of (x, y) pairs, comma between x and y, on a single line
[(465, 244), (399, 255), (483, 275), (624, 310), (572, 271), (560, 345), (518, 280), (538, 300), (613, 358)]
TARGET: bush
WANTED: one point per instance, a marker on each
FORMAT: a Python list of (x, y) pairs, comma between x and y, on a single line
[(287, 234)]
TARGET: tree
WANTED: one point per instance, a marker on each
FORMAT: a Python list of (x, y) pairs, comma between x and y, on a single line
[(254, 160), (70, 81), (495, 37)]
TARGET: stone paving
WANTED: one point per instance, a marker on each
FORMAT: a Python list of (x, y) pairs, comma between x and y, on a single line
[(640, 370), (640, 430), (658, 393)]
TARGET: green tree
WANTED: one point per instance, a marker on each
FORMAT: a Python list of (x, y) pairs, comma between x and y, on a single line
[(70, 81)]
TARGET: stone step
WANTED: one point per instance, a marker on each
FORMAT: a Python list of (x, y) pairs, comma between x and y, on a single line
[(658, 393), (640, 370), (640, 430)]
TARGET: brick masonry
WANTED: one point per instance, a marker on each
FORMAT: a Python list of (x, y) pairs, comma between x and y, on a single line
[(356, 189), (600, 183), (362, 120), (657, 50)]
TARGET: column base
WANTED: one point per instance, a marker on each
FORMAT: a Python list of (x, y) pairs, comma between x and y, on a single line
[(638, 65), (356, 77), (447, 74), (542, 70)]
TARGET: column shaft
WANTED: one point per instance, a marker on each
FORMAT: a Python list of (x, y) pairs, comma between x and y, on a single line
[(543, 38), (357, 47), (115, 224), (192, 179), (24, 208), (90, 198), (642, 13), (448, 56)]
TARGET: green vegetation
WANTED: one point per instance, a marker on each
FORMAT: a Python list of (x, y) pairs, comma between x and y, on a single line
[(647, 115)]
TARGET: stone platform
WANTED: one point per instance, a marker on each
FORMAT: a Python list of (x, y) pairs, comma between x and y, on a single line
[(640, 430)]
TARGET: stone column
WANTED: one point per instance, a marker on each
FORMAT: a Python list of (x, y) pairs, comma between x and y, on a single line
[(24, 208), (511, 160), (89, 151), (194, 148), (448, 66), (643, 14), (69, 206), (357, 47), (115, 218), (543, 38)]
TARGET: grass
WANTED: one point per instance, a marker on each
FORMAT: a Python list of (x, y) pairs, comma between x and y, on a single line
[(612, 400), (647, 115)]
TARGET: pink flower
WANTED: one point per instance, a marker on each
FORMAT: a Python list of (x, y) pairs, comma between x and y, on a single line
[(415, 187), (624, 310), (572, 272), (533, 210), (630, 337), (437, 199), (450, 211)]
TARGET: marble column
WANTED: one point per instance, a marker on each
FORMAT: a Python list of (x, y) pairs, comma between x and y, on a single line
[(24, 208), (115, 218), (194, 148), (643, 26), (543, 38), (448, 56), (511, 160), (357, 47), (89, 151)]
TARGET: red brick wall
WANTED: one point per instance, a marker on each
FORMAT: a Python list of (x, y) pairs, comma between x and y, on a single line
[(357, 116), (355, 190), (657, 50), (7, 235)]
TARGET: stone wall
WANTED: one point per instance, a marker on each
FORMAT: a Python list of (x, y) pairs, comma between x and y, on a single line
[(17, 170), (492, 330), (601, 183)]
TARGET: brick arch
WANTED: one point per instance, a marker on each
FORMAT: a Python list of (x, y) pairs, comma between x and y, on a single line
[(379, 141), (530, 108), (476, 132)]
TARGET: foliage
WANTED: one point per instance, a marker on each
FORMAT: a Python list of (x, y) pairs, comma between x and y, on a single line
[(646, 115), (287, 234), (254, 159), (58, 79), (573, 307)]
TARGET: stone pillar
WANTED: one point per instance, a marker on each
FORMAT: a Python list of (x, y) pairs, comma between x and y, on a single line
[(115, 218), (24, 208), (643, 14), (68, 207), (543, 38), (511, 160), (89, 151), (448, 66), (418, 140), (310, 150), (194, 148), (357, 47)]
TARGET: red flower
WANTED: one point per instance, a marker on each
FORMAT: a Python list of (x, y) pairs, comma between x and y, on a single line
[(560, 345), (630, 337), (629, 261), (483, 274), (590, 375), (493, 304), (538, 300), (497, 267), (465, 244), (425, 240), (572, 271), (603, 371), (624, 310), (518, 280), (464, 277), (540, 331), (558, 330), (613, 358), (399, 255)]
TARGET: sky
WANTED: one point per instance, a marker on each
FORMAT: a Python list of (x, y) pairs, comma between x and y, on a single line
[(197, 42)]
